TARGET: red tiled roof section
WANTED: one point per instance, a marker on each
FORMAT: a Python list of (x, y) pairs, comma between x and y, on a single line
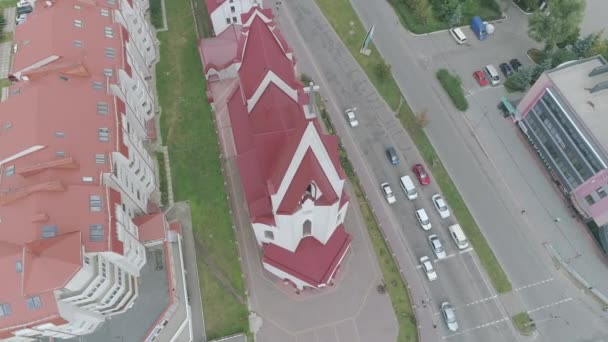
[(272, 123), (51, 31), (312, 261), (219, 52), (151, 227), (262, 54), (49, 263), (212, 5), (309, 170)]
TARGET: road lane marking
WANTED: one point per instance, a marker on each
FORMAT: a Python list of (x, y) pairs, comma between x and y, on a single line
[(475, 328), (479, 301), (436, 260), (550, 305), (534, 284)]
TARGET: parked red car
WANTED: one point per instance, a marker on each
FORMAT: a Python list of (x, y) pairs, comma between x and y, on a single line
[(480, 77), (421, 174)]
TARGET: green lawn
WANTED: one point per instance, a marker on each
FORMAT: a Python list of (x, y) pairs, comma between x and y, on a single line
[(340, 14), (394, 283), (7, 3), (188, 130), (524, 324), (486, 9), (452, 85)]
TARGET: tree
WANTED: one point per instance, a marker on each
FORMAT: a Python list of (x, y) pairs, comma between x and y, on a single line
[(583, 47), (571, 39), (541, 67), (560, 56), (383, 70), (421, 9), (601, 48), (448, 10), (520, 80), (557, 23)]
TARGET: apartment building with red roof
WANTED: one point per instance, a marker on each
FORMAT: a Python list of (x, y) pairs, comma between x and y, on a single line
[(74, 173), (290, 171)]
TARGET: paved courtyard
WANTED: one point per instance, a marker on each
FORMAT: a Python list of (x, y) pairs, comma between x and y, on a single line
[(351, 310)]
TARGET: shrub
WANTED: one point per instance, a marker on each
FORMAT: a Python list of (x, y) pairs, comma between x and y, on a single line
[(453, 87)]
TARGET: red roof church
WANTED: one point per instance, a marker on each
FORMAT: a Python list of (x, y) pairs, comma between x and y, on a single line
[(290, 171)]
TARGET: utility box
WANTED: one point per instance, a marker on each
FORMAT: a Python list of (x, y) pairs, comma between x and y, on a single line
[(479, 28)]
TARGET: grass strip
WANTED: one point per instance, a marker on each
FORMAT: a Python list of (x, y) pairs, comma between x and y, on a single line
[(453, 86), (340, 14), (162, 174), (394, 284), (156, 13), (188, 129), (524, 324)]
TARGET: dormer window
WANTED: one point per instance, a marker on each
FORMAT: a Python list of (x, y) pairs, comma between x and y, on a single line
[(311, 190)]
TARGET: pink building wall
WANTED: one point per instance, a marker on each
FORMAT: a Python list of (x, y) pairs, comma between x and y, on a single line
[(534, 94), (599, 210)]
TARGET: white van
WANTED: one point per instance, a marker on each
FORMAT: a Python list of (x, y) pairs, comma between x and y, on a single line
[(408, 187), (492, 74), (458, 236), (458, 35)]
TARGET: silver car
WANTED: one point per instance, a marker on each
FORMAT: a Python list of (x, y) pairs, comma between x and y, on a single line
[(449, 315), (437, 246)]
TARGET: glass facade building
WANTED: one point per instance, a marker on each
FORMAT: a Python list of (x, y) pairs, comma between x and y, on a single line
[(563, 146)]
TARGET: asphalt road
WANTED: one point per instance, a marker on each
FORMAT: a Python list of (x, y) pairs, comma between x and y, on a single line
[(495, 195)]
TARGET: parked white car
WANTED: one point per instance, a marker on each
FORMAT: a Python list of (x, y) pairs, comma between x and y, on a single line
[(351, 117), (388, 193), (427, 266), (441, 206), (437, 246), (423, 219)]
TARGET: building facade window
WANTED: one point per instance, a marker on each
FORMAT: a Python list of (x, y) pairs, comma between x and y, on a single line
[(9, 171), (100, 158), (34, 303), (96, 233), (49, 231), (95, 203), (589, 200), (601, 192), (307, 228), (104, 134), (269, 235), (5, 309)]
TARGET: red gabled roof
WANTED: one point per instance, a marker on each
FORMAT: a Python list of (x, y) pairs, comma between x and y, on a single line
[(212, 5), (151, 227), (312, 261), (49, 263), (221, 51), (309, 171), (257, 134), (263, 53)]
